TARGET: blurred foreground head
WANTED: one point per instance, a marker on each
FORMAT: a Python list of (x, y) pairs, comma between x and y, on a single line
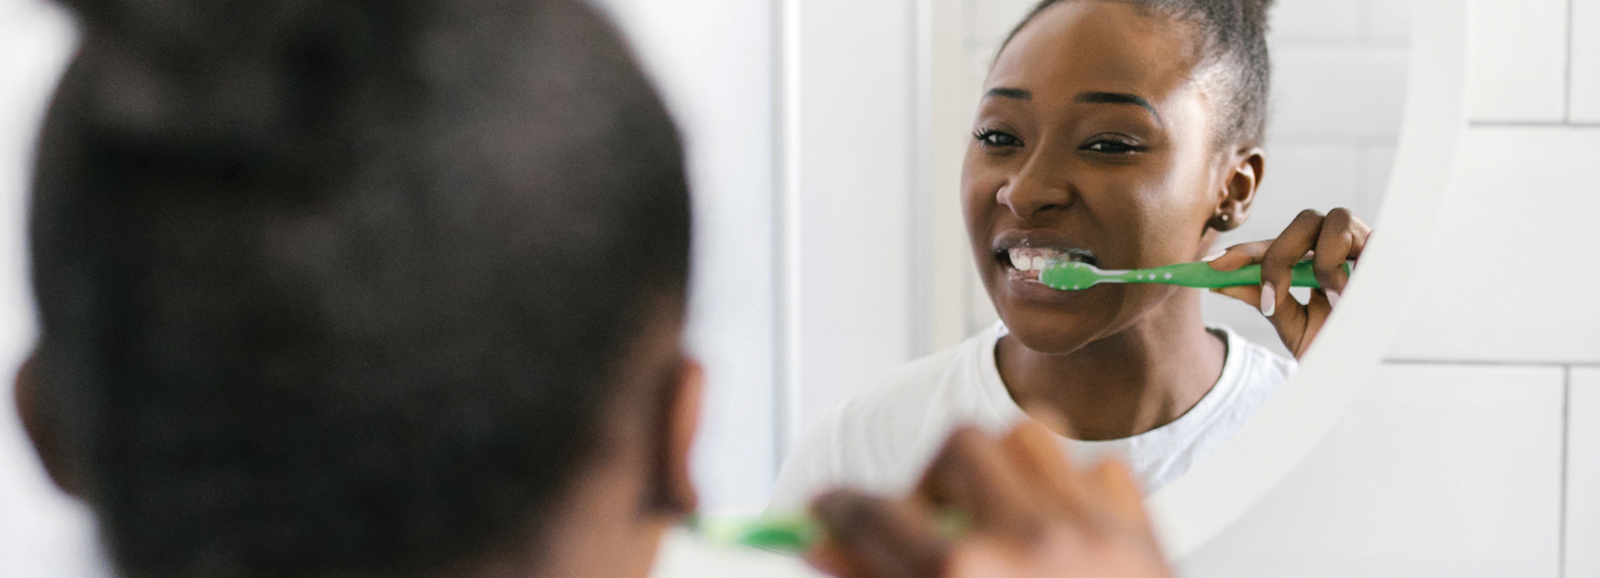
[(357, 288)]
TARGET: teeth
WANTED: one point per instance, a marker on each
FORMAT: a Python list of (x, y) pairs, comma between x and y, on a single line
[(1031, 259)]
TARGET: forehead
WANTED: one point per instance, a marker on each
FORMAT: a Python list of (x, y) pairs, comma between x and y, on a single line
[(1097, 45)]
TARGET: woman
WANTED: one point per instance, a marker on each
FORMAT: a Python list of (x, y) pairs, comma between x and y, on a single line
[(1125, 134)]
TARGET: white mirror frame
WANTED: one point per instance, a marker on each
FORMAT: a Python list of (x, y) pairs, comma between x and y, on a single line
[(1194, 509)]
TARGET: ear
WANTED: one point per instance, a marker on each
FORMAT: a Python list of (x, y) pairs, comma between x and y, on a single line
[(41, 431), (1237, 191), (680, 420)]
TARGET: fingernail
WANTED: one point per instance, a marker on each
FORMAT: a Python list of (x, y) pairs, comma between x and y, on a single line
[(1269, 300), (1333, 297), (1215, 255)]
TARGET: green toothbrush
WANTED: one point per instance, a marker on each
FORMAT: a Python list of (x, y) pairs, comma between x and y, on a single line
[(1074, 275), (791, 534)]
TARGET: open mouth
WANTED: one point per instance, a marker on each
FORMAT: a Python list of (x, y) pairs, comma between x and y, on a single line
[(1026, 263)]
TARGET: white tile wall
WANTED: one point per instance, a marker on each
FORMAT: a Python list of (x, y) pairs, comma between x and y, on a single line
[(1317, 18), (1388, 19), (1582, 550), (1519, 60), (1525, 203), (992, 20), (1337, 91), (1435, 471), (1376, 164), (1585, 66)]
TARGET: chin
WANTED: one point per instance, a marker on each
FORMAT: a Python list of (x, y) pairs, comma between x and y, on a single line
[(1063, 323)]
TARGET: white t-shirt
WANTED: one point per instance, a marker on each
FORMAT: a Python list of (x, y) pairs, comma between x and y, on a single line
[(879, 439)]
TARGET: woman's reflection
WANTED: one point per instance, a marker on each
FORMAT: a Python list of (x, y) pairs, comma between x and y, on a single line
[(1126, 134)]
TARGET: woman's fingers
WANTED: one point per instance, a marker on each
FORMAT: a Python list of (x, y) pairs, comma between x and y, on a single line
[(870, 537), (1277, 265), (1045, 467), (1075, 522), (1342, 238), (973, 474), (1119, 493), (1250, 294), (1240, 255)]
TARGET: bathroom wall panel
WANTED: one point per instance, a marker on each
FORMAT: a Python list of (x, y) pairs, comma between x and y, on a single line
[(1519, 61), (1585, 68), (1583, 474), (1317, 19), (1388, 19), (992, 20), (1513, 277), (1435, 471), (1323, 92)]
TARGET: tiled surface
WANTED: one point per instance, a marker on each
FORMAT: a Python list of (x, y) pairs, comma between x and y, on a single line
[(1519, 63), (1337, 92), (1583, 474), (1585, 68), (1435, 471), (1388, 19), (1299, 177), (1317, 18), (1377, 163), (992, 20), (1525, 204)]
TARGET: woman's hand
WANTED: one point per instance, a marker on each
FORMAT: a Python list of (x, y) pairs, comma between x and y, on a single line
[(1331, 239), (1030, 513)]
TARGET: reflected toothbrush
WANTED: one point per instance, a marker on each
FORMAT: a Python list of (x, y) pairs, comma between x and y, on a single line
[(1076, 275), (790, 534)]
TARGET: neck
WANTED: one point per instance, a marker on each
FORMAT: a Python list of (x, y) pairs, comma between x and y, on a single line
[(1138, 379)]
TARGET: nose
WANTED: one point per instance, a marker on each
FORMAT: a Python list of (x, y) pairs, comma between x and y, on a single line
[(1039, 187)]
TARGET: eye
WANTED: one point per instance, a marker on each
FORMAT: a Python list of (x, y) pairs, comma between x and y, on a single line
[(1112, 146), (995, 138)]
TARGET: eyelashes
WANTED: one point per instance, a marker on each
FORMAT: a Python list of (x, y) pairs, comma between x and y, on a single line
[(1106, 144), (995, 138)]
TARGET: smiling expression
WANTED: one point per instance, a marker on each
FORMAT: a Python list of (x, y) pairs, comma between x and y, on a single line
[(1094, 143)]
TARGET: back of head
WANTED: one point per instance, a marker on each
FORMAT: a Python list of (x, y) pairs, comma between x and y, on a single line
[(337, 287), (1234, 57)]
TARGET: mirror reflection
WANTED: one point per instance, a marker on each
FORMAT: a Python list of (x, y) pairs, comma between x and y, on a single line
[(1122, 157)]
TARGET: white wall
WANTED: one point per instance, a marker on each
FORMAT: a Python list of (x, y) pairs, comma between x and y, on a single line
[(1476, 450)]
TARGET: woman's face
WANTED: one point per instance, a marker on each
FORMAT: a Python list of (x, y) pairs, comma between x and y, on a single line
[(1092, 142)]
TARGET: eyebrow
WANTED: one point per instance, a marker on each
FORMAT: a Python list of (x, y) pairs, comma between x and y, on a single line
[(1118, 98), (1012, 93), (1085, 97)]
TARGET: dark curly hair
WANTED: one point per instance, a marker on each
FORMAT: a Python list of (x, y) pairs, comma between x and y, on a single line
[(331, 287), (1233, 45)]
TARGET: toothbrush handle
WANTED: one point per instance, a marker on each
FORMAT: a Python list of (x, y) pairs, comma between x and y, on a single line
[(1201, 275)]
